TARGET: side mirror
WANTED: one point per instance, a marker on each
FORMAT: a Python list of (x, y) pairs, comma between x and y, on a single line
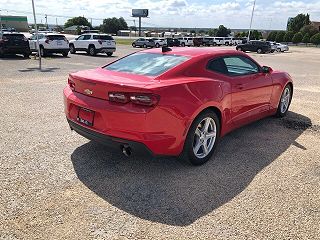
[(266, 69)]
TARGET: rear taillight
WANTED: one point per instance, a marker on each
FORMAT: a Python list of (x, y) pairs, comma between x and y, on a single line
[(71, 84), (119, 97), (145, 99)]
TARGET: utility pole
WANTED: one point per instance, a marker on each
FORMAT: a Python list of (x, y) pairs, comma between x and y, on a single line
[(139, 26), (37, 35), (254, 4), (0, 25), (46, 17)]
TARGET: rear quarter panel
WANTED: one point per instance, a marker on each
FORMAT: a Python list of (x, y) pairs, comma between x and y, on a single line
[(280, 80)]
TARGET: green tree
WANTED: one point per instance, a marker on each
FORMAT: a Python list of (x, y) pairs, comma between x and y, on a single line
[(310, 29), (213, 32), (272, 36), (315, 39), (306, 38), (296, 23), (255, 35), (280, 36), (288, 36), (78, 21), (113, 25), (223, 31), (297, 38)]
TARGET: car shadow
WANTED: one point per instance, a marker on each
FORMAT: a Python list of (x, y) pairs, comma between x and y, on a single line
[(98, 55), (35, 69), (168, 191), (13, 57)]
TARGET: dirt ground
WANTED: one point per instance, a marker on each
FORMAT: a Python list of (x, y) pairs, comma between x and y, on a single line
[(264, 182)]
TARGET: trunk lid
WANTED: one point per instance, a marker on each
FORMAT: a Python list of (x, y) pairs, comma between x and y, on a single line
[(99, 82)]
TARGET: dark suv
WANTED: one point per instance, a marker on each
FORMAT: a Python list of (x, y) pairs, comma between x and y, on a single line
[(14, 43), (255, 46)]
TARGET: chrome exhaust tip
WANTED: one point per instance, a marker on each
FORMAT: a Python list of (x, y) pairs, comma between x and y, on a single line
[(126, 150)]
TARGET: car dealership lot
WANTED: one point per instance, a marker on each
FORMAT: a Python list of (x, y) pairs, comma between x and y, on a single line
[(263, 184)]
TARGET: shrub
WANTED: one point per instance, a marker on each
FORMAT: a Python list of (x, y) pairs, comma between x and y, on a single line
[(306, 38), (310, 29), (315, 39), (280, 36), (288, 36), (297, 38), (272, 36)]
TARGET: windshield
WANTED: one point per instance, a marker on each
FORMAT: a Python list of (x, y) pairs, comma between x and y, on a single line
[(149, 64)]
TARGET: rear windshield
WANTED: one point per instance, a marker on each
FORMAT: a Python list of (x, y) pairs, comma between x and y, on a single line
[(102, 37), (56, 37), (149, 64), (14, 36)]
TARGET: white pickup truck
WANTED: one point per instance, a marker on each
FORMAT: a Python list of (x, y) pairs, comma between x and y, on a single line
[(93, 43)]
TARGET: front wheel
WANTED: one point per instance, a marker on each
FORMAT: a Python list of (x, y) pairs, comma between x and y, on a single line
[(65, 54), (133, 45), (109, 54), (92, 51), (202, 138), (72, 49), (285, 101), (259, 50), (157, 45)]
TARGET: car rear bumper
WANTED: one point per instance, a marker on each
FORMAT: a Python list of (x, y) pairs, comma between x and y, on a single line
[(106, 49), (15, 50), (128, 123), (57, 50), (116, 144)]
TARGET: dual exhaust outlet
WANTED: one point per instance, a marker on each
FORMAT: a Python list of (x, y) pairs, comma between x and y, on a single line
[(126, 150)]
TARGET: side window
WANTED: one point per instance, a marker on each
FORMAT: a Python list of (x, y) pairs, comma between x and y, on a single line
[(80, 38), (87, 37), (218, 65), (238, 65)]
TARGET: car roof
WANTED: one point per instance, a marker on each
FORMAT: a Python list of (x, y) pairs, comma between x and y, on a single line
[(193, 51)]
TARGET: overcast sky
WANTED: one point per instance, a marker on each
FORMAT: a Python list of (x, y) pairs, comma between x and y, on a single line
[(171, 13)]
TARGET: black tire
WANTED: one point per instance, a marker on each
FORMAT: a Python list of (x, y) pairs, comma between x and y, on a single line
[(157, 45), (183, 44), (227, 44), (72, 49), (280, 113), (133, 45), (65, 54), (109, 54), (42, 51), (144, 46), (188, 152), (259, 50), (92, 51), (26, 55), (214, 44)]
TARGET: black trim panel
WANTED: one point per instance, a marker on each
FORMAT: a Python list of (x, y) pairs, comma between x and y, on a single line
[(112, 142)]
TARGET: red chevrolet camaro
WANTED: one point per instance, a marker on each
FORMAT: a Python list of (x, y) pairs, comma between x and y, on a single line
[(176, 102)]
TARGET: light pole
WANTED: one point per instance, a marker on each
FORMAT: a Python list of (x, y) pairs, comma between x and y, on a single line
[(254, 4), (37, 35)]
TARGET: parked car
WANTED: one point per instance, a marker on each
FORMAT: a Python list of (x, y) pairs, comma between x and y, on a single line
[(159, 42), (144, 42), (93, 43), (218, 41), (173, 102), (172, 42), (14, 43), (49, 43), (236, 41), (197, 41), (255, 46), (281, 47), (185, 41), (228, 41), (208, 41)]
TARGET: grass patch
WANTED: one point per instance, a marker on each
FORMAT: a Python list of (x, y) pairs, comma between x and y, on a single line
[(124, 41)]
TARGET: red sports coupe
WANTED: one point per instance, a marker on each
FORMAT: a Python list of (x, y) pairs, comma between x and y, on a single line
[(176, 102)]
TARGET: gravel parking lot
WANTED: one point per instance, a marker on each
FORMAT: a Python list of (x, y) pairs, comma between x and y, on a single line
[(264, 182)]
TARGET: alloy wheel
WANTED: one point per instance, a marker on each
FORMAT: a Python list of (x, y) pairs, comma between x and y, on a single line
[(204, 137), (285, 100)]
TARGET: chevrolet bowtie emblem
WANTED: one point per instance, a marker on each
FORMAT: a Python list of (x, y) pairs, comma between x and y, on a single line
[(88, 91)]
